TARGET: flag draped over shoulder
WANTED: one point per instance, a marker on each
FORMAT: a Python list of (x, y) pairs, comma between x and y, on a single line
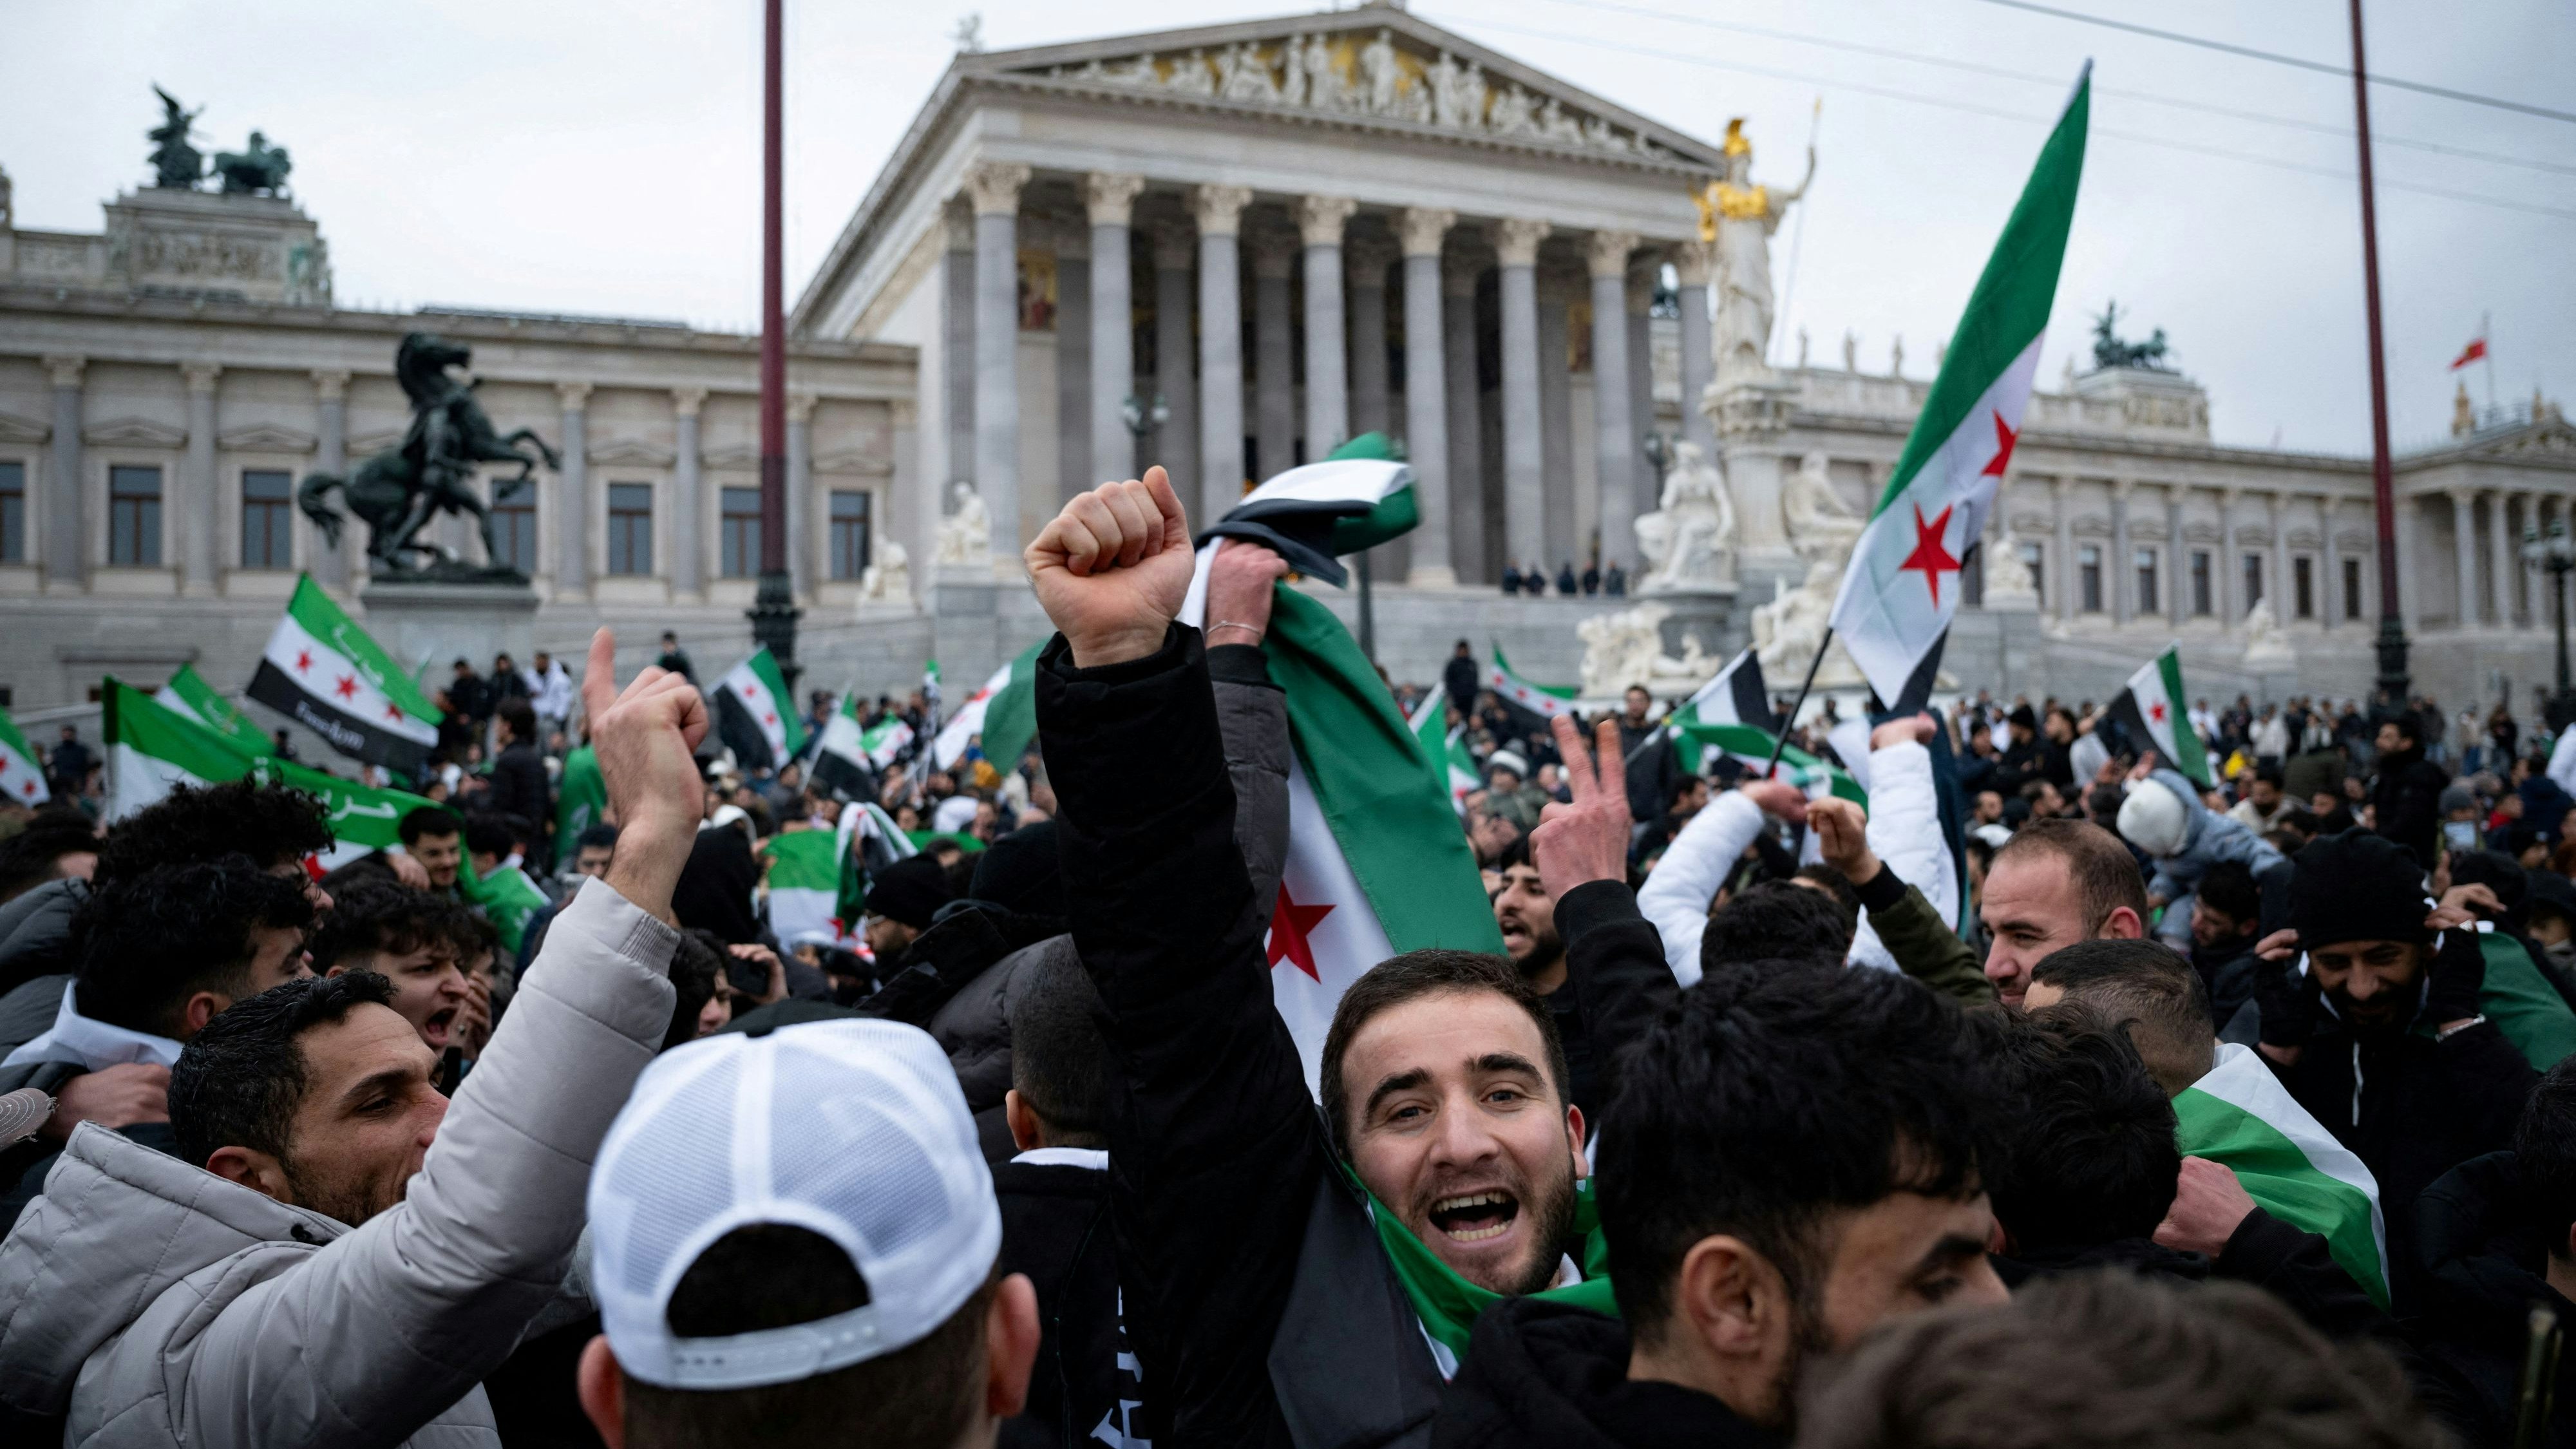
[(804, 885), (190, 695), (755, 716), (1004, 712), (323, 672), (1376, 863), (1902, 586), (22, 774), (2151, 709), (152, 751), (2240, 1115)]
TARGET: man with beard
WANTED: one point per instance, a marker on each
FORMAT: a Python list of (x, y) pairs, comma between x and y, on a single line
[(1795, 1155), (1282, 1267), (2056, 882), (2406, 795), (2377, 1031)]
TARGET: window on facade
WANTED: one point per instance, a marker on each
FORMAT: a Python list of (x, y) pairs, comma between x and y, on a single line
[(740, 538), (2088, 577), (13, 513), (2352, 588), (630, 528), (134, 516), (1972, 577), (2253, 580), (2303, 587), (514, 531), (2200, 594), (849, 533), (2146, 567), (2035, 558), (267, 519)]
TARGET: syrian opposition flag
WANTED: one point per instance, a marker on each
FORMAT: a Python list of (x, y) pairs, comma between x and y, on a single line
[(22, 776), (322, 671), (841, 762), (506, 897), (2152, 710), (2240, 1116), (1004, 712), (1376, 862), (152, 751), (1547, 701), (1902, 585), (189, 694), (1731, 716), (1444, 747), (804, 886), (867, 841), (756, 717)]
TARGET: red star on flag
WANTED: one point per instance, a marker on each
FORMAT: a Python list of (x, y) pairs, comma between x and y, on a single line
[(303, 660), (1289, 925), (347, 688), (2156, 712), (31, 789), (2004, 440), (393, 711), (769, 719), (1931, 554)]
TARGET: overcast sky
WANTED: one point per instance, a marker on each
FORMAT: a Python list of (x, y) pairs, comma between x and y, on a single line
[(564, 156)]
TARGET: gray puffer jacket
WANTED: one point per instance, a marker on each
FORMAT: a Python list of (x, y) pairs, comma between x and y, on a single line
[(148, 1302)]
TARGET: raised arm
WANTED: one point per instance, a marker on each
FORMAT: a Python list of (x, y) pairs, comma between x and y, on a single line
[(1615, 961), (1214, 1149)]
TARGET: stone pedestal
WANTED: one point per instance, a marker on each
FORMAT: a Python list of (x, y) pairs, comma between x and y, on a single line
[(1707, 615), (427, 627)]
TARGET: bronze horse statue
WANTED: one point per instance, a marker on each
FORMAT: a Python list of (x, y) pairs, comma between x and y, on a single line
[(399, 490)]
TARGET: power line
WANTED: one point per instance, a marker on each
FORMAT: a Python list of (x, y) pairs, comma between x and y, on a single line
[(2058, 82), (2300, 62), (1971, 108)]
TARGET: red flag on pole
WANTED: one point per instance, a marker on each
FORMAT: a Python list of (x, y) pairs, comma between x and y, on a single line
[(2476, 350)]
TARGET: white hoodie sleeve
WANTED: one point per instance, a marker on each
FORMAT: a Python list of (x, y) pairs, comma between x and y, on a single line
[(1678, 890), (1905, 835)]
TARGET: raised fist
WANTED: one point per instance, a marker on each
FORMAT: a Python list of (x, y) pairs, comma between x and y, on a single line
[(1112, 569)]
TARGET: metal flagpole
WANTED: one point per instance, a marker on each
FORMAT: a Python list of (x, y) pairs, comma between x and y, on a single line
[(2486, 354), (1780, 741), (2392, 625), (1797, 234)]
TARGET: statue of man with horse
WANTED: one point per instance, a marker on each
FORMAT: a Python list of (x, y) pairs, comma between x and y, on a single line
[(399, 490)]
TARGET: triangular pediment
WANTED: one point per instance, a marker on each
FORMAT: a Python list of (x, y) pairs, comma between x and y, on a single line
[(361, 449), (1370, 65), (2553, 436), (628, 453), (15, 429), (134, 433), (740, 455), (268, 438), (854, 462)]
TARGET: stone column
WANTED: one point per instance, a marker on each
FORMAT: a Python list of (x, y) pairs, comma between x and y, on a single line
[(1465, 412), (1694, 263), (1645, 270), (572, 505), (1274, 355), (2231, 574), (2070, 582), (957, 348), (1427, 384), (1328, 388), (1372, 386), (1614, 432), (1557, 290), (1220, 219), (2329, 567), (907, 521), (1176, 444), (1112, 200), (688, 491), (1516, 242), (800, 492), (2464, 552), (2177, 559), (2500, 555), (329, 561), (197, 561), (1074, 383), (2410, 584), (66, 554), (2281, 590), (2122, 583), (993, 188)]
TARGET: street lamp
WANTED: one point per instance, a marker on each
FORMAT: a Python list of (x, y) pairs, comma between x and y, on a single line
[(1659, 455), (2556, 553), (1142, 418)]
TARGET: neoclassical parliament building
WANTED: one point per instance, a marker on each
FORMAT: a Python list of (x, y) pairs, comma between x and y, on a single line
[(1224, 249)]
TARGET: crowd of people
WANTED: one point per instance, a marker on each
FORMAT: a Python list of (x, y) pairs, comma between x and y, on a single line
[(2053, 1096)]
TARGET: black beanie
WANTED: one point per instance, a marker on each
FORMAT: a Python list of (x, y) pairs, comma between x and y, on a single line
[(2357, 886), (2498, 872), (1021, 872), (911, 891)]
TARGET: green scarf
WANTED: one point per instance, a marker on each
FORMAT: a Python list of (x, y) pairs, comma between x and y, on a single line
[(1448, 1304)]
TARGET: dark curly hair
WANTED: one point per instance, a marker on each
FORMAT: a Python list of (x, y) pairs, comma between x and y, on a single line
[(274, 825), (147, 943), (2088, 1137), (372, 916), (239, 1081)]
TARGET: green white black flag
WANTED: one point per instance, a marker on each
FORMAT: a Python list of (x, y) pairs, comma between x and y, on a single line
[(322, 671), (754, 715), (2152, 707)]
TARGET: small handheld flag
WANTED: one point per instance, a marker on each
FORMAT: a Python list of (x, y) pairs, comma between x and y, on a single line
[(755, 715), (2151, 708), (189, 694), (323, 671), (22, 774)]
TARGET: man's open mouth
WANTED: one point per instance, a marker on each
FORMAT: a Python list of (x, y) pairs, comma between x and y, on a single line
[(440, 1026), (1475, 1217)]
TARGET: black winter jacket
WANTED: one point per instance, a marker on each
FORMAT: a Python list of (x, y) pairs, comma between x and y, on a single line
[(2484, 1258), (2406, 802), (1055, 1228), (1553, 1376)]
